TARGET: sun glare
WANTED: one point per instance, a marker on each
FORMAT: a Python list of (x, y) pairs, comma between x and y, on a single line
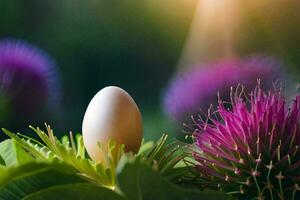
[(211, 32)]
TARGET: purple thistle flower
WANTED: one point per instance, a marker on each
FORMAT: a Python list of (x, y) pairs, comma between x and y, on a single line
[(251, 150), (28, 78), (197, 88)]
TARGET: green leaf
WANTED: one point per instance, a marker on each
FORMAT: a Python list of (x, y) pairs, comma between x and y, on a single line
[(128, 178), (75, 192), (2, 162), (47, 181), (12, 154), (38, 151), (139, 182), (171, 159), (146, 147), (9, 174)]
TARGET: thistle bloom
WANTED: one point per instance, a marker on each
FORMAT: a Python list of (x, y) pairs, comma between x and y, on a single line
[(252, 150), (28, 78), (197, 88)]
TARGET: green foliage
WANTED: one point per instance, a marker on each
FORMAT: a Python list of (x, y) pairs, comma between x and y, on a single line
[(11, 155), (18, 182), (56, 180), (163, 157), (169, 159), (2, 162), (145, 184), (72, 154), (59, 169), (76, 192)]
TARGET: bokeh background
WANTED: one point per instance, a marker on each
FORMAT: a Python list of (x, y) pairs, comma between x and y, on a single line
[(139, 45)]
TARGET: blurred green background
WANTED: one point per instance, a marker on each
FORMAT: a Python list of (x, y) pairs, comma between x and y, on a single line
[(134, 44)]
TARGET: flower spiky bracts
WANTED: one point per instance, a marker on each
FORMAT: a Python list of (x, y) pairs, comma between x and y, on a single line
[(250, 148)]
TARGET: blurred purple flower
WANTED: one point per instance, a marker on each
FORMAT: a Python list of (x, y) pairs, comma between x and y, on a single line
[(28, 78), (251, 150), (197, 88)]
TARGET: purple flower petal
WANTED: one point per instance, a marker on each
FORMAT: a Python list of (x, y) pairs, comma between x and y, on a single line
[(197, 88), (28, 77)]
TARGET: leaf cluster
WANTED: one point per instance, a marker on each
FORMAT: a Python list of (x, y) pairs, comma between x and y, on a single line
[(55, 168)]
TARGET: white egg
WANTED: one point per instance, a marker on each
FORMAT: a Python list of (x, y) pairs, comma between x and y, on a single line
[(112, 114)]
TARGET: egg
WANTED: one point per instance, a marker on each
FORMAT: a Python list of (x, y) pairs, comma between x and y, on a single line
[(112, 114)]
